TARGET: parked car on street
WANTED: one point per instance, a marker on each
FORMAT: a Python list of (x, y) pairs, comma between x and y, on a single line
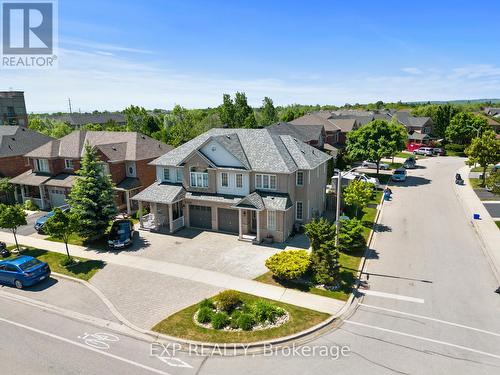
[(40, 222), (399, 175), (23, 271), (495, 168), (439, 151), (426, 151), (410, 163), (121, 234), (373, 165)]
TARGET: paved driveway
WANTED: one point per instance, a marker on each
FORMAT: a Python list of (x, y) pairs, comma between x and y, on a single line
[(210, 250), (28, 230)]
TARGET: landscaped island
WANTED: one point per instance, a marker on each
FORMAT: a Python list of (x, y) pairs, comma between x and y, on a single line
[(234, 317)]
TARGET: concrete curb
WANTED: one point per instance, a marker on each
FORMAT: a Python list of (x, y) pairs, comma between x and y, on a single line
[(485, 246)]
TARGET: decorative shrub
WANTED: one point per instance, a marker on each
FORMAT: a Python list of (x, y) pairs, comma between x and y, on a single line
[(220, 320), (207, 303), (30, 205), (246, 322), (235, 315), (227, 300), (351, 235), (204, 314), (265, 311), (290, 264)]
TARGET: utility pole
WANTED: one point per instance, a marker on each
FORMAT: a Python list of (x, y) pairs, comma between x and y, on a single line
[(69, 103), (337, 211)]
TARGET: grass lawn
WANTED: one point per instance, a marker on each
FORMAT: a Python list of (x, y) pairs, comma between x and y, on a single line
[(480, 169), (498, 224), (476, 183), (84, 269), (75, 239), (406, 155), (181, 325), (349, 262), (383, 178), (395, 165)]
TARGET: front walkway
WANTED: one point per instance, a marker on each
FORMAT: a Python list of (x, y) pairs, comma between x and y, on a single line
[(215, 279), (485, 227)]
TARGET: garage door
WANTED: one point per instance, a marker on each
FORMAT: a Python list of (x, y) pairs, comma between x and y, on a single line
[(200, 217), (228, 220), (57, 197)]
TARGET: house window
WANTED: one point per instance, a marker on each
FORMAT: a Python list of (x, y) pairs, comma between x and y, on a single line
[(68, 164), (271, 220), (265, 181), (224, 179), (299, 213), (199, 179), (239, 180), (179, 175), (42, 165), (166, 174), (300, 178)]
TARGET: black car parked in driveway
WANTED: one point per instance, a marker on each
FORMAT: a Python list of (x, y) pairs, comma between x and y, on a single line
[(121, 234)]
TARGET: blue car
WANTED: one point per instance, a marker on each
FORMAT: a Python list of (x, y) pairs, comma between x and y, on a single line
[(42, 220), (399, 175), (23, 271)]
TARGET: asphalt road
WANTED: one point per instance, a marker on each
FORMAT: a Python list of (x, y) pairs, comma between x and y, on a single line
[(430, 309), (493, 209)]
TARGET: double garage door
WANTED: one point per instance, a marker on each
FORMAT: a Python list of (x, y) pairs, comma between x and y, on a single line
[(201, 217)]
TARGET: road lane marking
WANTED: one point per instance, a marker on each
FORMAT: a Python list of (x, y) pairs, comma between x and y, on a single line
[(137, 364), (432, 319), (392, 296), (423, 339)]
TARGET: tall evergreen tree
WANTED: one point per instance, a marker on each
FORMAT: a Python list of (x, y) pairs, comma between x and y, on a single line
[(92, 196)]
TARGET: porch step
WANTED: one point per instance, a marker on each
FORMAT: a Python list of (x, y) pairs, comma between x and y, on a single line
[(248, 238)]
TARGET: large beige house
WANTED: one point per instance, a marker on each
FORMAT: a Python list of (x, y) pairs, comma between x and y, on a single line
[(250, 182)]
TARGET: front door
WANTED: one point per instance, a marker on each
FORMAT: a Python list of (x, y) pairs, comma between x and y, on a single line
[(253, 224)]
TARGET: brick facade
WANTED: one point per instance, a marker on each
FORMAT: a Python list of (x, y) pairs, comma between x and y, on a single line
[(13, 166)]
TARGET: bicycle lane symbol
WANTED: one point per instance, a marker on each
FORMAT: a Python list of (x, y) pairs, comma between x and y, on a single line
[(99, 340)]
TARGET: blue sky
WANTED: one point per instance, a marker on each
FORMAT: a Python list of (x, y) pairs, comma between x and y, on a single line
[(162, 53)]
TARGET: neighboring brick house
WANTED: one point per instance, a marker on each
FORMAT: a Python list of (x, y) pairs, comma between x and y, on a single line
[(332, 131), (15, 141), (250, 182), (313, 135), (125, 156)]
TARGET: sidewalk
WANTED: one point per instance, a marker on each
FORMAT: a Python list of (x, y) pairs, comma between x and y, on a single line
[(216, 279), (486, 228)]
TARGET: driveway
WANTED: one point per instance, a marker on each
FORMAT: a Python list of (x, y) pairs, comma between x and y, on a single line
[(211, 251), (28, 230)]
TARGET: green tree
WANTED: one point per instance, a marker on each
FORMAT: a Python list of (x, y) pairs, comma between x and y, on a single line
[(376, 140), (243, 113), (493, 182), (62, 225), (5, 185), (484, 150), (139, 120), (269, 114), (358, 194), (12, 217), (351, 235), (227, 111), (92, 196), (325, 256), (464, 126)]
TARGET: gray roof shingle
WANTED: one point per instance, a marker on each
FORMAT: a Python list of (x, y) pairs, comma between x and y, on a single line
[(117, 146), (161, 193), (18, 140), (264, 151)]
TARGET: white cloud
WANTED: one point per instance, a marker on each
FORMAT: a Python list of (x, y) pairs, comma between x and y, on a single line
[(102, 80), (412, 70)]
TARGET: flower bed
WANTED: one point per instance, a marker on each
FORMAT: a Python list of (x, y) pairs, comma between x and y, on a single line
[(228, 312)]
